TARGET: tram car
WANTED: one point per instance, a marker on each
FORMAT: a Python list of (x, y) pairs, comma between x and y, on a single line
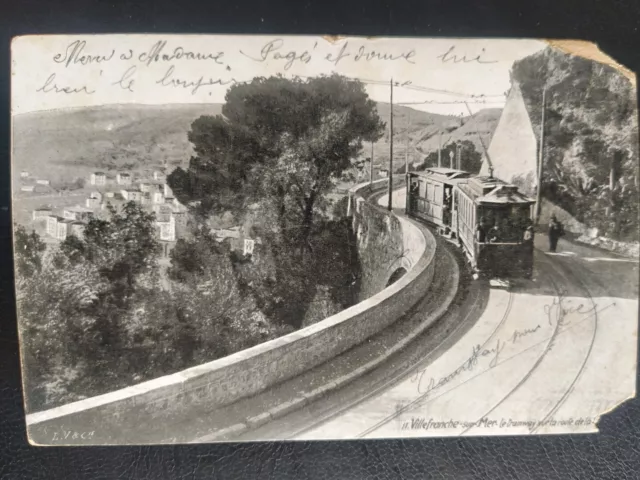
[(488, 218)]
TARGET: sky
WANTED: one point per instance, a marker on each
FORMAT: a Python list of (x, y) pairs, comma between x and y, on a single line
[(436, 75)]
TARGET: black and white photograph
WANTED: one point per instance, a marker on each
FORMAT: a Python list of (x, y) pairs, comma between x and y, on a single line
[(227, 238)]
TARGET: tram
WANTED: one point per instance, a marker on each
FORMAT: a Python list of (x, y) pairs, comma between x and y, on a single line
[(487, 217)]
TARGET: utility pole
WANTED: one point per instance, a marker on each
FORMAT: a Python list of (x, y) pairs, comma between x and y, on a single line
[(406, 151), (371, 166), (540, 156), (390, 206), (439, 149), (458, 156)]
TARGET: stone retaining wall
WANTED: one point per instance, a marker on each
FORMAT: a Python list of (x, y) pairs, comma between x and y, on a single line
[(166, 399)]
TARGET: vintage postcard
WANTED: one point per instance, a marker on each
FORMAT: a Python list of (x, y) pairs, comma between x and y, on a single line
[(245, 238)]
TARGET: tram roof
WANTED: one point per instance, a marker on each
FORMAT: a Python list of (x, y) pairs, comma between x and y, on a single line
[(442, 173), (493, 191)]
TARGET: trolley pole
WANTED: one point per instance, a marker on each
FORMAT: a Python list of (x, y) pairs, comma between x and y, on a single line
[(540, 158), (390, 206), (439, 149)]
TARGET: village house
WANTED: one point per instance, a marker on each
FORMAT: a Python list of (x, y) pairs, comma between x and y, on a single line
[(123, 179), (162, 210), (52, 225), (94, 200), (150, 186), (180, 216), (166, 230), (157, 197), (43, 182), (146, 199), (68, 227), (168, 193), (77, 213), (24, 174), (41, 212), (27, 188), (158, 175), (237, 238), (98, 178), (131, 195), (145, 186)]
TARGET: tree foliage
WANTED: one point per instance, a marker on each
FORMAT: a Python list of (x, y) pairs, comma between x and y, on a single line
[(121, 247), (591, 137), (279, 141), (28, 250)]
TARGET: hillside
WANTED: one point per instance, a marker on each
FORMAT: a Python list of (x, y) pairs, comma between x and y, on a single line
[(62, 145), (590, 165), (423, 133)]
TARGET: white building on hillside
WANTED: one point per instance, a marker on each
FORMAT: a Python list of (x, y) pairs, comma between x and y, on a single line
[(94, 200), (41, 212), (157, 197), (98, 178), (77, 213), (52, 225), (166, 228), (123, 179), (131, 195)]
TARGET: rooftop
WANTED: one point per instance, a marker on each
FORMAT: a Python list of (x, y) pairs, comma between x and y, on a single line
[(79, 209)]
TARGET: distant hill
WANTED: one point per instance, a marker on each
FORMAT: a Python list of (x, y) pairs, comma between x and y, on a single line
[(68, 143), (423, 129), (62, 145)]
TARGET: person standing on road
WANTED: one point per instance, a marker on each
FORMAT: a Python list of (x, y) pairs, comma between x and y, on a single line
[(555, 232)]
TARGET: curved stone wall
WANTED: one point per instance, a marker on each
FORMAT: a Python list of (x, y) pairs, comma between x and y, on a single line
[(253, 370)]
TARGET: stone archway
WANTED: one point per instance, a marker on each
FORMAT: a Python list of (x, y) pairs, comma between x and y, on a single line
[(396, 275)]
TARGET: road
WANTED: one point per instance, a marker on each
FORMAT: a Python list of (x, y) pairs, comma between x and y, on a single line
[(547, 355)]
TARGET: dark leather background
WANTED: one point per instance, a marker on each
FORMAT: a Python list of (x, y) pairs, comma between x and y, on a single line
[(612, 454)]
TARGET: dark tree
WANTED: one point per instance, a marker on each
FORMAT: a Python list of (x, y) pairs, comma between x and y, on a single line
[(121, 247), (28, 249), (280, 142), (193, 259)]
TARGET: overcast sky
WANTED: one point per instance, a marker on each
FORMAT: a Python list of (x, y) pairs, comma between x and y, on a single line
[(50, 72)]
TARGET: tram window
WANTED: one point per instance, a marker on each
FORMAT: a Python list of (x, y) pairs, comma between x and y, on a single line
[(437, 194)]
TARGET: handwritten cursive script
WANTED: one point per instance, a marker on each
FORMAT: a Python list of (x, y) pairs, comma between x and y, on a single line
[(477, 352), (451, 56), (169, 80), (50, 86), (73, 54)]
